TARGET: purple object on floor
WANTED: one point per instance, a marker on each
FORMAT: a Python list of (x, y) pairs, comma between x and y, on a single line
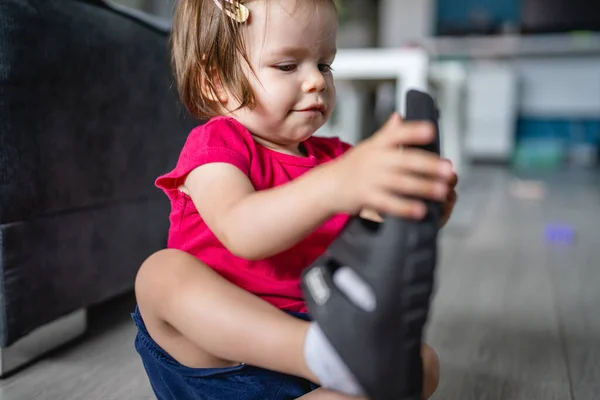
[(559, 233)]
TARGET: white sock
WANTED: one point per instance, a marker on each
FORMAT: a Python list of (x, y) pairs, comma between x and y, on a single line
[(323, 360)]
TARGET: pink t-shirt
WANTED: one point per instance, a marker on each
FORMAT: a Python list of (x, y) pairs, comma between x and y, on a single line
[(223, 139)]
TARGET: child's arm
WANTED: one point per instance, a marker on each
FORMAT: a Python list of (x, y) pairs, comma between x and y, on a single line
[(258, 224)]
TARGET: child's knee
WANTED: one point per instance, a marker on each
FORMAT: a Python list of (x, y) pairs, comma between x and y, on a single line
[(158, 269), (151, 267), (431, 370)]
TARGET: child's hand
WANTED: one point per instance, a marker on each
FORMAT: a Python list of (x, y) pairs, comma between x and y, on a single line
[(448, 206), (450, 201), (380, 175)]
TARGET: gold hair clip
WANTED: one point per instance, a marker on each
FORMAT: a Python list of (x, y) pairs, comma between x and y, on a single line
[(234, 9)]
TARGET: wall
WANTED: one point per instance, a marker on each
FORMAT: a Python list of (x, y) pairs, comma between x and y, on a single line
[(559, 87), (556, 95), (403, 20), (550, 87), (560, 106)]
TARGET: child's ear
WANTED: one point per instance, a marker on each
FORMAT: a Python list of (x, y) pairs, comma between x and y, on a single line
[(213, 88), (217, 92)]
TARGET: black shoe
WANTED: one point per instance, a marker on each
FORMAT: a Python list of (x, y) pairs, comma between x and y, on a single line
[(396, 261)]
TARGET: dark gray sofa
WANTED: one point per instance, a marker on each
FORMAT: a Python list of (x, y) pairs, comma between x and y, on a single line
[(89, 117)]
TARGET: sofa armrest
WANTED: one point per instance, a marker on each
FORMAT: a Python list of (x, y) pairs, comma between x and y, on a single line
[(89, 114), (89, 117)]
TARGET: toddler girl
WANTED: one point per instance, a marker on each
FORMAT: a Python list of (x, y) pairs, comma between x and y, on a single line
[(256, 198)]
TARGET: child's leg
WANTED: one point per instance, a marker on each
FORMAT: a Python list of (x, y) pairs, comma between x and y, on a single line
[(200, 318), (204, 321)]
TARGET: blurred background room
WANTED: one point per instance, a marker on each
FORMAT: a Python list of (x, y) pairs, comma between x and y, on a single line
[(86, 90)]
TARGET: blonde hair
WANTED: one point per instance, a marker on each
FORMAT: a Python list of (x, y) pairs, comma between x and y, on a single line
[(208, 51)]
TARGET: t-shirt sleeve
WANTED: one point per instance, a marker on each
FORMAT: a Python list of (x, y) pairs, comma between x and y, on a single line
[(344, 147), (218, 140)]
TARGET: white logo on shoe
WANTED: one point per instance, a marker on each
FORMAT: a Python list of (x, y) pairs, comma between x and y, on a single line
[(317, 286)]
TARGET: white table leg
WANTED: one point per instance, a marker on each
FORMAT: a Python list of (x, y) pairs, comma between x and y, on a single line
[(415, 75), (449, 82)]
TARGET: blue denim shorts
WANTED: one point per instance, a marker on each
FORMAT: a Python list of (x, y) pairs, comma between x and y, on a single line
[(171, 380)]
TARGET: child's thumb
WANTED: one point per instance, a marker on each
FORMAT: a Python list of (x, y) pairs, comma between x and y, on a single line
[(390, 129), (392, 123)]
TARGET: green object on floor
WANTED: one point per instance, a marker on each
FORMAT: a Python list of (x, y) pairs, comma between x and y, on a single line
[(539, 154)]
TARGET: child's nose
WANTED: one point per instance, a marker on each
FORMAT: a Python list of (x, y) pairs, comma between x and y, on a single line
[(314, 81)]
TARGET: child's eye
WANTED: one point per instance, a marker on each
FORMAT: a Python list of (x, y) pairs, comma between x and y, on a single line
[(286, 67), (325, 68)]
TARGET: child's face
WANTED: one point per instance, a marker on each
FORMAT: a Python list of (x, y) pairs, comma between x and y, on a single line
[(290, 45)]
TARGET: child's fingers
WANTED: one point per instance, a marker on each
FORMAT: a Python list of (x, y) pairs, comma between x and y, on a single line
[(421, 162), (415, 186), (396, 133), (448, 207), (391, 204), (451, 199), (454, 179)]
